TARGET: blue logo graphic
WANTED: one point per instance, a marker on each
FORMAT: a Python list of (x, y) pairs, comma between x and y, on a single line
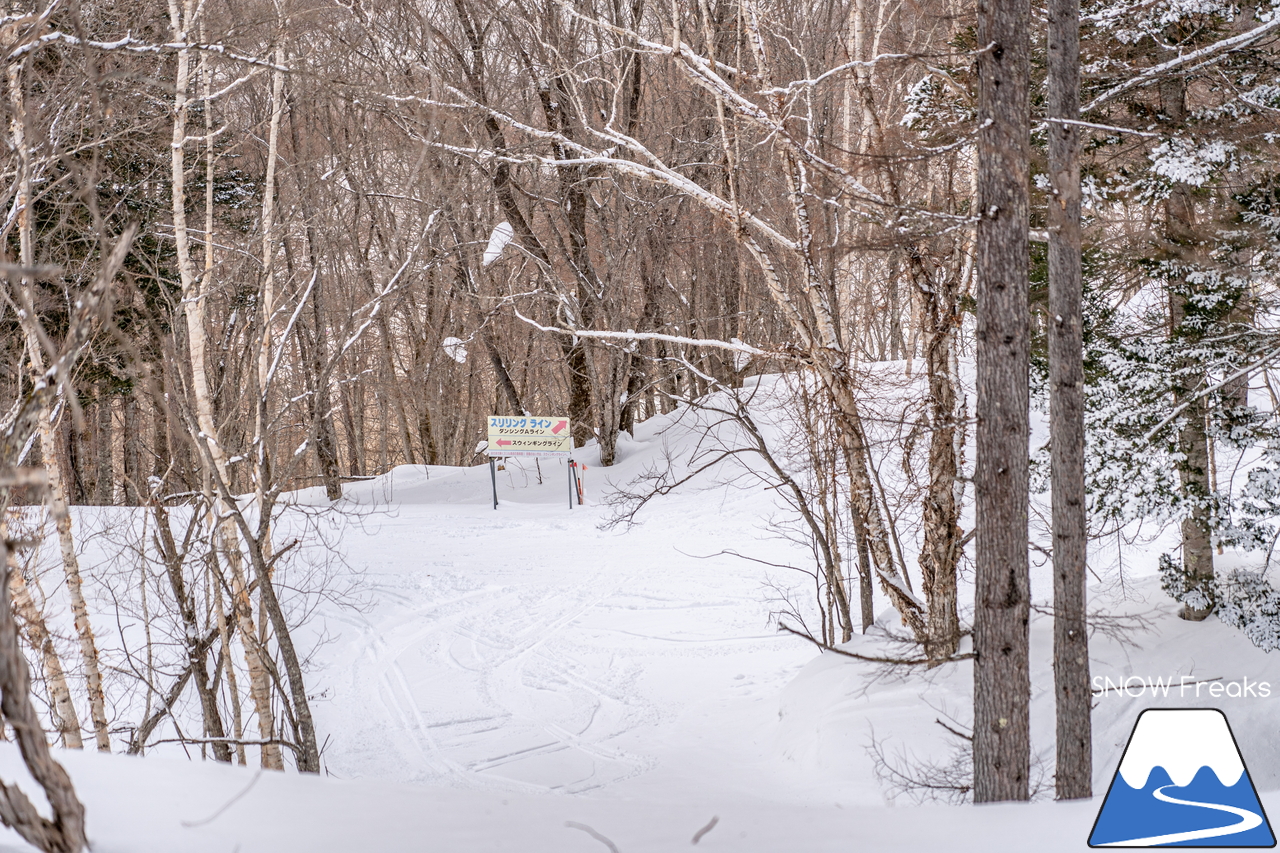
[(1182, 783)]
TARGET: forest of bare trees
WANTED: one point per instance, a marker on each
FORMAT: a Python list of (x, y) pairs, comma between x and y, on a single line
[(257, 247)]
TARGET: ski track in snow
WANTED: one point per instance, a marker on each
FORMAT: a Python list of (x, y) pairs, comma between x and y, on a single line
[(477, 668)]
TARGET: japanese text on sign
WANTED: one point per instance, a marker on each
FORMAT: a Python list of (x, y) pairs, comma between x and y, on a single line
[(529, 436)]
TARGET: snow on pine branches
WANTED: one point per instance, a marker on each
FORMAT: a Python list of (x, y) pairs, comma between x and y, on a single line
[(1242, 599)]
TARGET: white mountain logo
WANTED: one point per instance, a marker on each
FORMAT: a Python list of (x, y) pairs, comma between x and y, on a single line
[(1182, 783)]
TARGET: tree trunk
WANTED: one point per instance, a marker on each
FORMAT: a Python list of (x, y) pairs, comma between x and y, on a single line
[(135, 487), (320, 405), (38, 637), (573, 197), (194, 294), (65, 832), (227, 666), (307, 757), (1001, 736), (866, 590), (938, 298), (1073, 777), (172, 559), (1193, 471), (940, 553), (351, 421), (505, 384), (56, 495), (104, 481)]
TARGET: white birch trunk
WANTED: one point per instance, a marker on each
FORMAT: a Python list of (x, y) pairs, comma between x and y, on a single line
[(37, 634), (224, 632), (193, 292), (268, 302), (57, 494)]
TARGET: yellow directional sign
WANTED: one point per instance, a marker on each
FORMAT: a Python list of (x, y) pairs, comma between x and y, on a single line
[(529, 436)]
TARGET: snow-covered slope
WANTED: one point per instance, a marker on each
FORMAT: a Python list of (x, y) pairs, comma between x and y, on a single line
[(838, 708), (165, 805), (492, 675)]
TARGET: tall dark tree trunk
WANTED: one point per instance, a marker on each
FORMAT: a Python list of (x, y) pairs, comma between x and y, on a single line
[(897, 344), (134, 485), (427, 434), (505, 384), (1073, 777), (173, 560), (574, 200), (1193, 473), (580, 408), (320, 405), (866, 590), (635, 390), (1001, 725), (72, 456), (103, 439), (940, 552), (355, 436)]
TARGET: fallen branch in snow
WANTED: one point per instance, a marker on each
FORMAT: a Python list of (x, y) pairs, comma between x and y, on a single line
[(922, 661), (949, 780), (711, 824), (613, 848), (234, 741), (192, 824)]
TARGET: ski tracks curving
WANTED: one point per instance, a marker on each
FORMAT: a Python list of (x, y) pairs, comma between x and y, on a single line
[(498, 687)]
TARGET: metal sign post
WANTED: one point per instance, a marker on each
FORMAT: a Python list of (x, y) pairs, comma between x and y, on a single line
[(530, 436)]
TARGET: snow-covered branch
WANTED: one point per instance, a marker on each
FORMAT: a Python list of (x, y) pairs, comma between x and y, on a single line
[(733, 345), (1185, 62), (133, 45), (1204, 392)]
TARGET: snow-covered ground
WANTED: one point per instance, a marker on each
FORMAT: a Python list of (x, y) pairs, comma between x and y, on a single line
[(524, 680)]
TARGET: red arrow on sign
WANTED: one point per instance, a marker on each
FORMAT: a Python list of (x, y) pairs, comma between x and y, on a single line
[(559, 426), (503, 442)]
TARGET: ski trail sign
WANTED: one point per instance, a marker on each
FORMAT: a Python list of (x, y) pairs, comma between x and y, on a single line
[(529, 436), (1182, 783)]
